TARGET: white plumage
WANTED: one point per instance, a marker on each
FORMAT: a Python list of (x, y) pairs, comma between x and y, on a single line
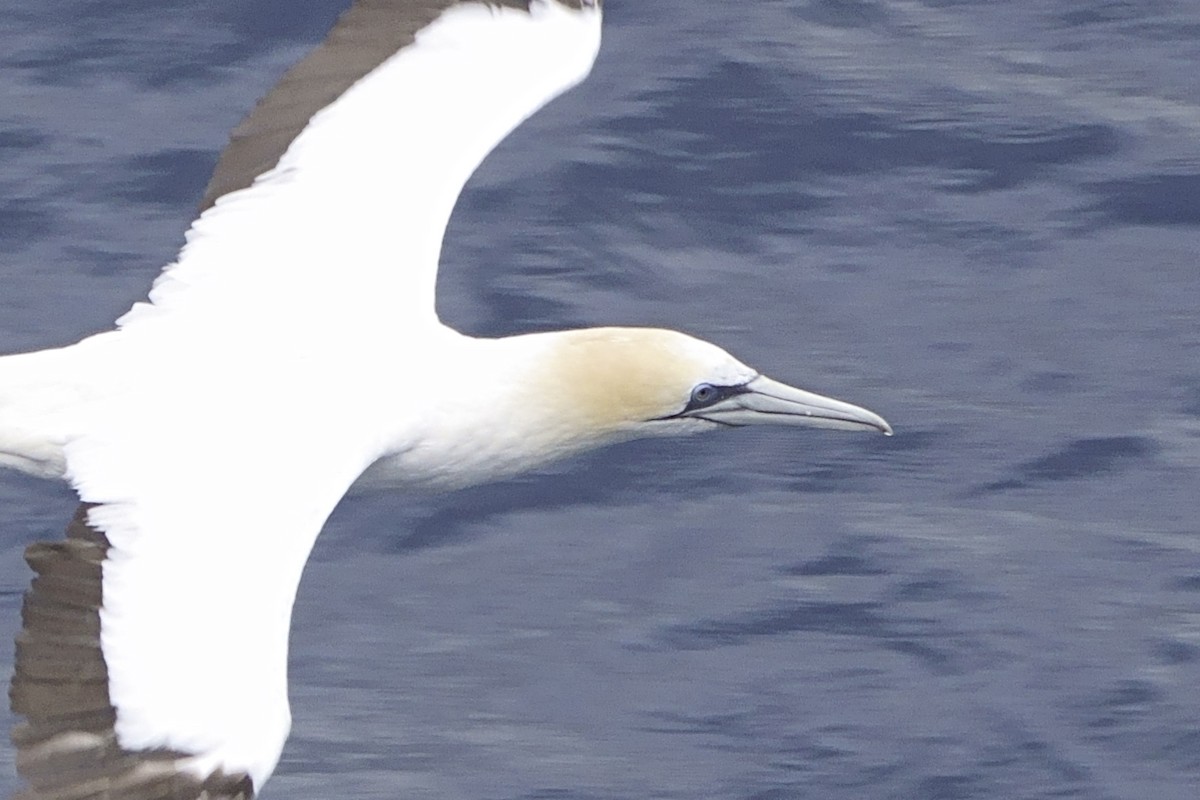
[(294, 345)]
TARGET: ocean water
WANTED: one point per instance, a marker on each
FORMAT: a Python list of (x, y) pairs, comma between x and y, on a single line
[(979, 219)]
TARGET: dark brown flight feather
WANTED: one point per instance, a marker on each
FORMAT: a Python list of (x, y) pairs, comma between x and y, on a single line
[(67, 748)]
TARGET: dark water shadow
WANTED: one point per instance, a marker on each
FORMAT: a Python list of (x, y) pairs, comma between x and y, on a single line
[(915, 637), (1191, 405), (1169, 200), (1083, 458), (167, 178), (847, 557), (842, 13), (21, 222), (21, 139)]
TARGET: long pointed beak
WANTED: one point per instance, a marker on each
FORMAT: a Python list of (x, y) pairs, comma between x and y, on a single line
[(768, 402)]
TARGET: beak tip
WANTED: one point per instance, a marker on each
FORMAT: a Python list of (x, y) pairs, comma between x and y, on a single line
[(884, 427)]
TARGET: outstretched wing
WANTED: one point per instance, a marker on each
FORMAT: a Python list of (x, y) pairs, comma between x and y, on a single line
[(336, 191), (156, 637), (67, 748), (154, 655)]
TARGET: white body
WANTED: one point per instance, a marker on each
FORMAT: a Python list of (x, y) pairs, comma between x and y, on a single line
[(294, 346)]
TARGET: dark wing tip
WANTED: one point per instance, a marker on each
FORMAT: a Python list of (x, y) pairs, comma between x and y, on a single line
[(67, 748), (366, 35)]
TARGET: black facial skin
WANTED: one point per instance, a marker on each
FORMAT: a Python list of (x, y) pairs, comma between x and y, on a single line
[(706, 394)]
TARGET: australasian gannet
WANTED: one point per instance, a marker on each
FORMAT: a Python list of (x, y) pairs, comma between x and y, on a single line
[(292, 347)]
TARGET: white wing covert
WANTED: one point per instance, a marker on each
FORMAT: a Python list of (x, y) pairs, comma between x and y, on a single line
[(352, 214)]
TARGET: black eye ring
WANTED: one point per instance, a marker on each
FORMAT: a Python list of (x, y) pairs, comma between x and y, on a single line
[(704, 394)]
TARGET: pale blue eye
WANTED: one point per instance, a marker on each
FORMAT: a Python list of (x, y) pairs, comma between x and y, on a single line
[(704, 394)]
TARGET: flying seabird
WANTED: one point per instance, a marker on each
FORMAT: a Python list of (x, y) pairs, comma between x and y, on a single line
[(291, 348)]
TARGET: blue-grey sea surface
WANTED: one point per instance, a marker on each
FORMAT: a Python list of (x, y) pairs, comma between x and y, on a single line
[(980, 219)]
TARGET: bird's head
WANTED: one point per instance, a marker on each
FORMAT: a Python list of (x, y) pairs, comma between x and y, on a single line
[(612, 383), (512, 404)]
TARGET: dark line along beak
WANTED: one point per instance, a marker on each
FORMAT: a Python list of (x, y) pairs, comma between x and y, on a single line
[(767, 402)]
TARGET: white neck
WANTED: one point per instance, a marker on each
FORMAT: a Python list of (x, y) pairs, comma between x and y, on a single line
[(483, 409)]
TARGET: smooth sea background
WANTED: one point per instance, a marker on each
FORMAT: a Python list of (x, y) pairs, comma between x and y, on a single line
[(980, 219)]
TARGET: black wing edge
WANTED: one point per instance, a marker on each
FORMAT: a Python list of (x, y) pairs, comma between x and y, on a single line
[(367, 34), (67, 748)]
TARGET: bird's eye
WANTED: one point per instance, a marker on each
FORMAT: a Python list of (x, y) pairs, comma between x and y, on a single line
[(704, 394)]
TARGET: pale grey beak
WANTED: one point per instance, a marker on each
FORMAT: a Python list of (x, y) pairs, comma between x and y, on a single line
[(768, 402)]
